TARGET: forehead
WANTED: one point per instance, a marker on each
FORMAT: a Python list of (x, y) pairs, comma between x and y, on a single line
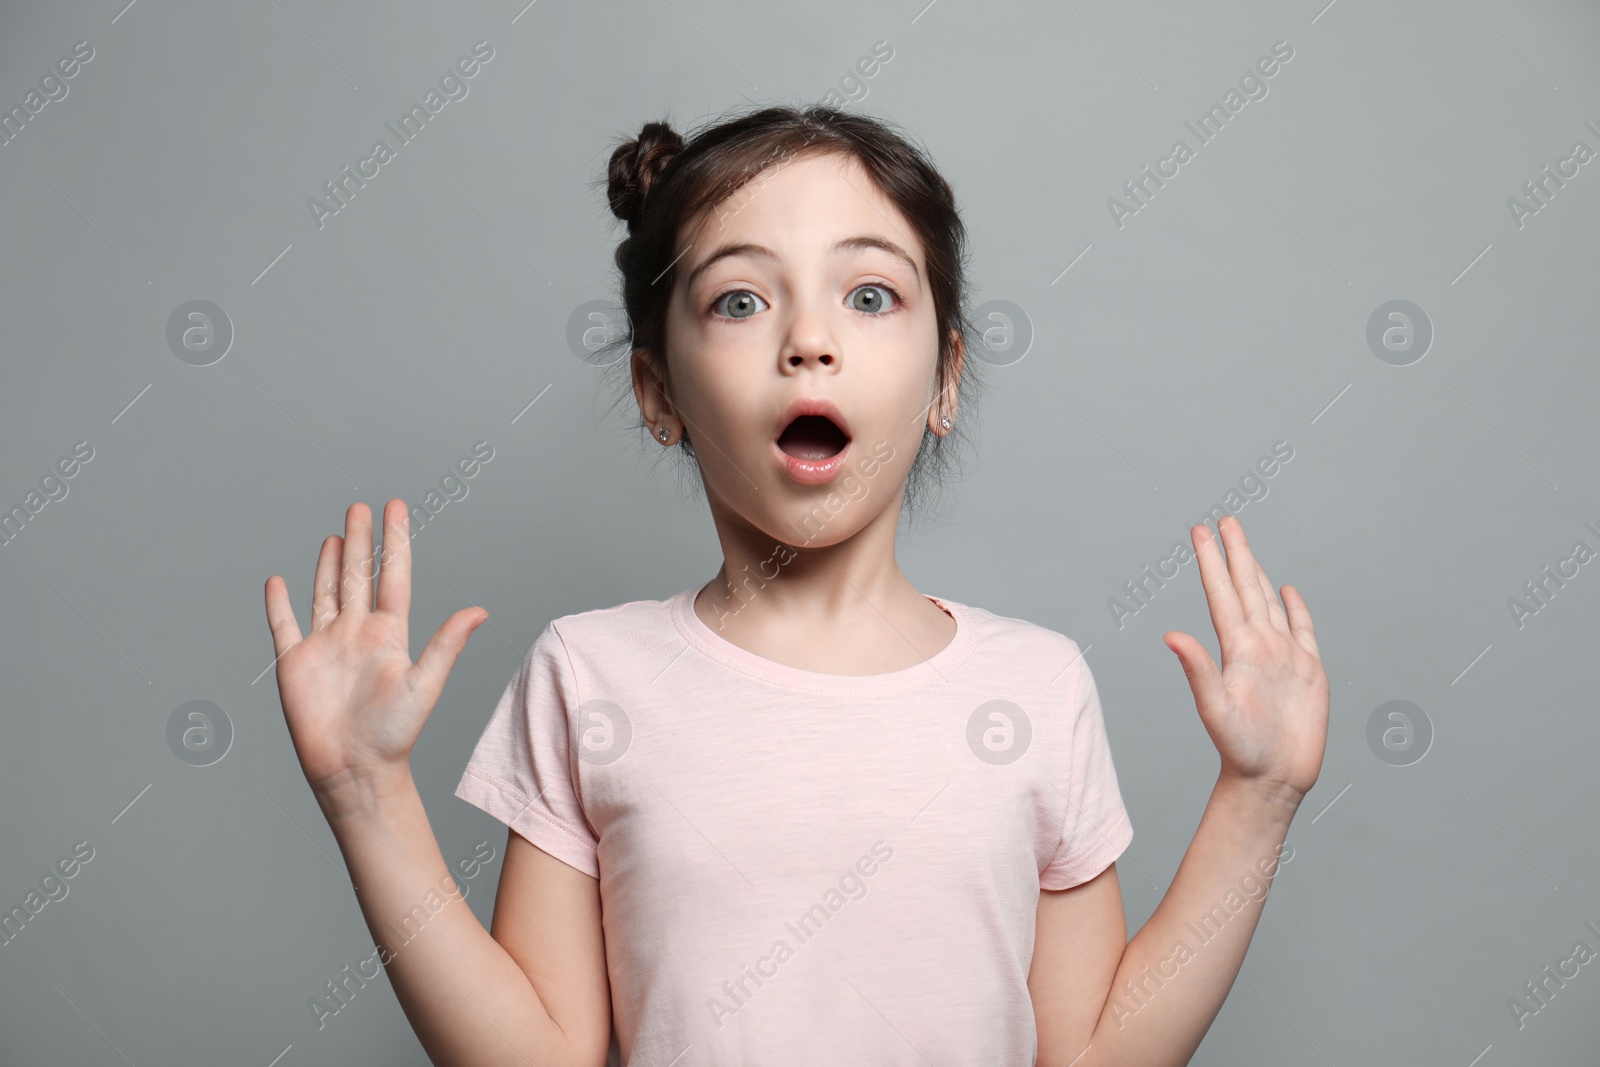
[(800, 204)]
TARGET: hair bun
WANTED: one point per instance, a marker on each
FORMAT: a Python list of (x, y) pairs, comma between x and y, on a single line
[(636, 166)]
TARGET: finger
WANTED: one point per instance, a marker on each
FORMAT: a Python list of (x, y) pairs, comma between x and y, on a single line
[(1280, 621), (1221, 598), (280, 616), (1300, 617), (1243, 567), (325, 584), (443, 648), (355, 577), (1204, 678), (394, 572)]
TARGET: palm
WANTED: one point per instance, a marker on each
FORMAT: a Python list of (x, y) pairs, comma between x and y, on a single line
[(1267, 708), (353, 700), (344, 695)]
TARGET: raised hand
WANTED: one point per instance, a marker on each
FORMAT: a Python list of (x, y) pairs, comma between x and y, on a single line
[(354, 701), (1267, 708)]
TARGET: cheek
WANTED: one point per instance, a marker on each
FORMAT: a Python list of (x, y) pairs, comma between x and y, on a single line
[(900, 360), (725, 395), (915, 332)]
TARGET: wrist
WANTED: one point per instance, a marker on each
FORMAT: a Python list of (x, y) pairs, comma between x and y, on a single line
[(360, 794), (1277, 797)]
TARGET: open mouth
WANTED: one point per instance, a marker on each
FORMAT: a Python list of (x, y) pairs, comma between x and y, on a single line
[(812, 438)]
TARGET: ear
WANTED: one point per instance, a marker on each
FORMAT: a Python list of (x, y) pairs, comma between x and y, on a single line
[(648, 389), (949, 400)]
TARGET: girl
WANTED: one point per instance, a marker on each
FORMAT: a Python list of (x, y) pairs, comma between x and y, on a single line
[(802, 813)]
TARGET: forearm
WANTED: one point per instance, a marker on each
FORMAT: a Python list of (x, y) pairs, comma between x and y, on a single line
[(1177, 970), (465, 996)]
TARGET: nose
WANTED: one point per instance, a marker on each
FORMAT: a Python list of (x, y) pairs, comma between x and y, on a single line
[(810, 340)]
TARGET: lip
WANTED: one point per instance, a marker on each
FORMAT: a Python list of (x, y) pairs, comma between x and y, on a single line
[(812, 472), (811, 405)]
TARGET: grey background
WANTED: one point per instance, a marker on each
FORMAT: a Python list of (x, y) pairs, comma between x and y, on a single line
[(1229, 313)]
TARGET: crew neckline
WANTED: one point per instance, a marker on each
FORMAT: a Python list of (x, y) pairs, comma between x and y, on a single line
[(935, 668)]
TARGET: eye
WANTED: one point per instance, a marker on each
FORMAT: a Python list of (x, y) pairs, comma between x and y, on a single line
[(741, 306), (870, 298)]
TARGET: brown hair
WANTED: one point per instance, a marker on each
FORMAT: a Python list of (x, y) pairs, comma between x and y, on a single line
[(657, 183)]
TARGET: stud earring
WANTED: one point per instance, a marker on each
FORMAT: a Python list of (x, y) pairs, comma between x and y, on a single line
[(945, 421), (663, 433)]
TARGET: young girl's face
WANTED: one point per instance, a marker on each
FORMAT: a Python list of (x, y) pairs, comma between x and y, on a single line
[(807, 283)]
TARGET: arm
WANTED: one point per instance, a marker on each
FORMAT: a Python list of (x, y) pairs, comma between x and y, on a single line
[(535, 994), (1100, 1003), (1150, 1001)]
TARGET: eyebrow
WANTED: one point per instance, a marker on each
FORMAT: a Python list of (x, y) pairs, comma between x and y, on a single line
[(849, 244)]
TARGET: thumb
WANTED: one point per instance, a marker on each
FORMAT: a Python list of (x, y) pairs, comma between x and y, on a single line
[(442, 650), (1205, 680)]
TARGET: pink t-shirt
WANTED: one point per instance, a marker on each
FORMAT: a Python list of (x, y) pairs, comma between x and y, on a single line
[(800, 868)]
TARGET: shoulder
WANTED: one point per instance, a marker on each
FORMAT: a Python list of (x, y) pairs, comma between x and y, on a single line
[(602, 635), (600, 650), (1007, 633), (1005, 642)]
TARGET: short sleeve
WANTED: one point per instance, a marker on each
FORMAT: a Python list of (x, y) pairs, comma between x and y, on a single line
[(1096, 828), (522, 771)]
